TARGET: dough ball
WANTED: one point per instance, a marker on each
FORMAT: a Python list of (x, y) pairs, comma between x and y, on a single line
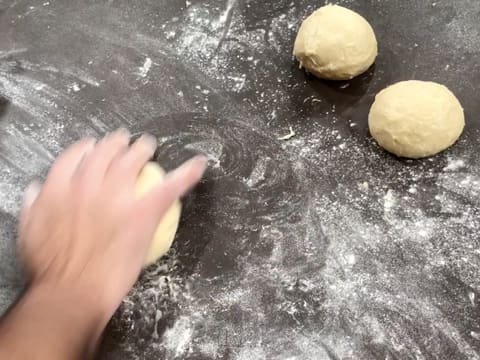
[(151, 176), (416, 119), (335, 43)]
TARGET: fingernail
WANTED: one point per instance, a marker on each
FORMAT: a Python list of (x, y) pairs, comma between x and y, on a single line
[(123, 132), (90, 145), (201, 162), (31, 193), (149, 141), (197, 164), (90, 142)]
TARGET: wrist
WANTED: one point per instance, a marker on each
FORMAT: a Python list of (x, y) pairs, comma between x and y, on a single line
[(69, 310), (52, 321)]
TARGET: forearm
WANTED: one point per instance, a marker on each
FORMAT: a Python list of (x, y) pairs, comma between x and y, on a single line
[(51, 323)]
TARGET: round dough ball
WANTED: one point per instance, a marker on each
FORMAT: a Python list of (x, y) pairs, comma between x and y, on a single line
[(151, 176), (335, 43), (416, 119)]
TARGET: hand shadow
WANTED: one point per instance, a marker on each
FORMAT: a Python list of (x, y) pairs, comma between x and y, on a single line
[(324, 93)]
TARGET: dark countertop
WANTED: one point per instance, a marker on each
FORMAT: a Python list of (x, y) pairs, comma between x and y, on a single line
[(318, 247)]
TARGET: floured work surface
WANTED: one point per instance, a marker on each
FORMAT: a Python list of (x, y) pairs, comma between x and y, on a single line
[(320, 246)]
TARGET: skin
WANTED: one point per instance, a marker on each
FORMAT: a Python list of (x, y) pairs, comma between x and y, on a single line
[(82, 240)]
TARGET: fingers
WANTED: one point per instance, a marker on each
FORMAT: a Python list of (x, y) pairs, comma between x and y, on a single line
[(29, 197), (132, 162), (67, 164), (154, 205), (97, 163), (90, 163), (182, 179)]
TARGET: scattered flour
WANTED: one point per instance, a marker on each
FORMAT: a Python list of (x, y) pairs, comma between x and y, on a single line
[(454, 165), (289, 135), (143, 70), (179, 336)]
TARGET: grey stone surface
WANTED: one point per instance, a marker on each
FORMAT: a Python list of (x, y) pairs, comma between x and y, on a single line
[(317, 247)]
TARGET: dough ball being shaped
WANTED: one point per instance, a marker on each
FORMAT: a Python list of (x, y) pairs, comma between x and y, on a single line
[(416, 119), (151, 176), (335, 43)]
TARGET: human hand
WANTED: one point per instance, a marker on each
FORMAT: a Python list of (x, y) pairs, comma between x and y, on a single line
[(83, 231)]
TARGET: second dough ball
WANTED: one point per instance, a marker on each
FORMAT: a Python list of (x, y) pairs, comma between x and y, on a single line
[(416, 119), (335, 43), (151, 176)]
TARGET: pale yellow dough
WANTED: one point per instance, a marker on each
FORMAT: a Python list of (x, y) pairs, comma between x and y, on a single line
[(416, 119), (151, 176), (335, 43)]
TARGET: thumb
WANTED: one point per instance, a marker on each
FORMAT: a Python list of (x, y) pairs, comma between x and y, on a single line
[(176, 184)]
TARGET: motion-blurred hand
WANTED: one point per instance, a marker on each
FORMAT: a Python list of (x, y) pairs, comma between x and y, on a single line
[(83, 231)]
